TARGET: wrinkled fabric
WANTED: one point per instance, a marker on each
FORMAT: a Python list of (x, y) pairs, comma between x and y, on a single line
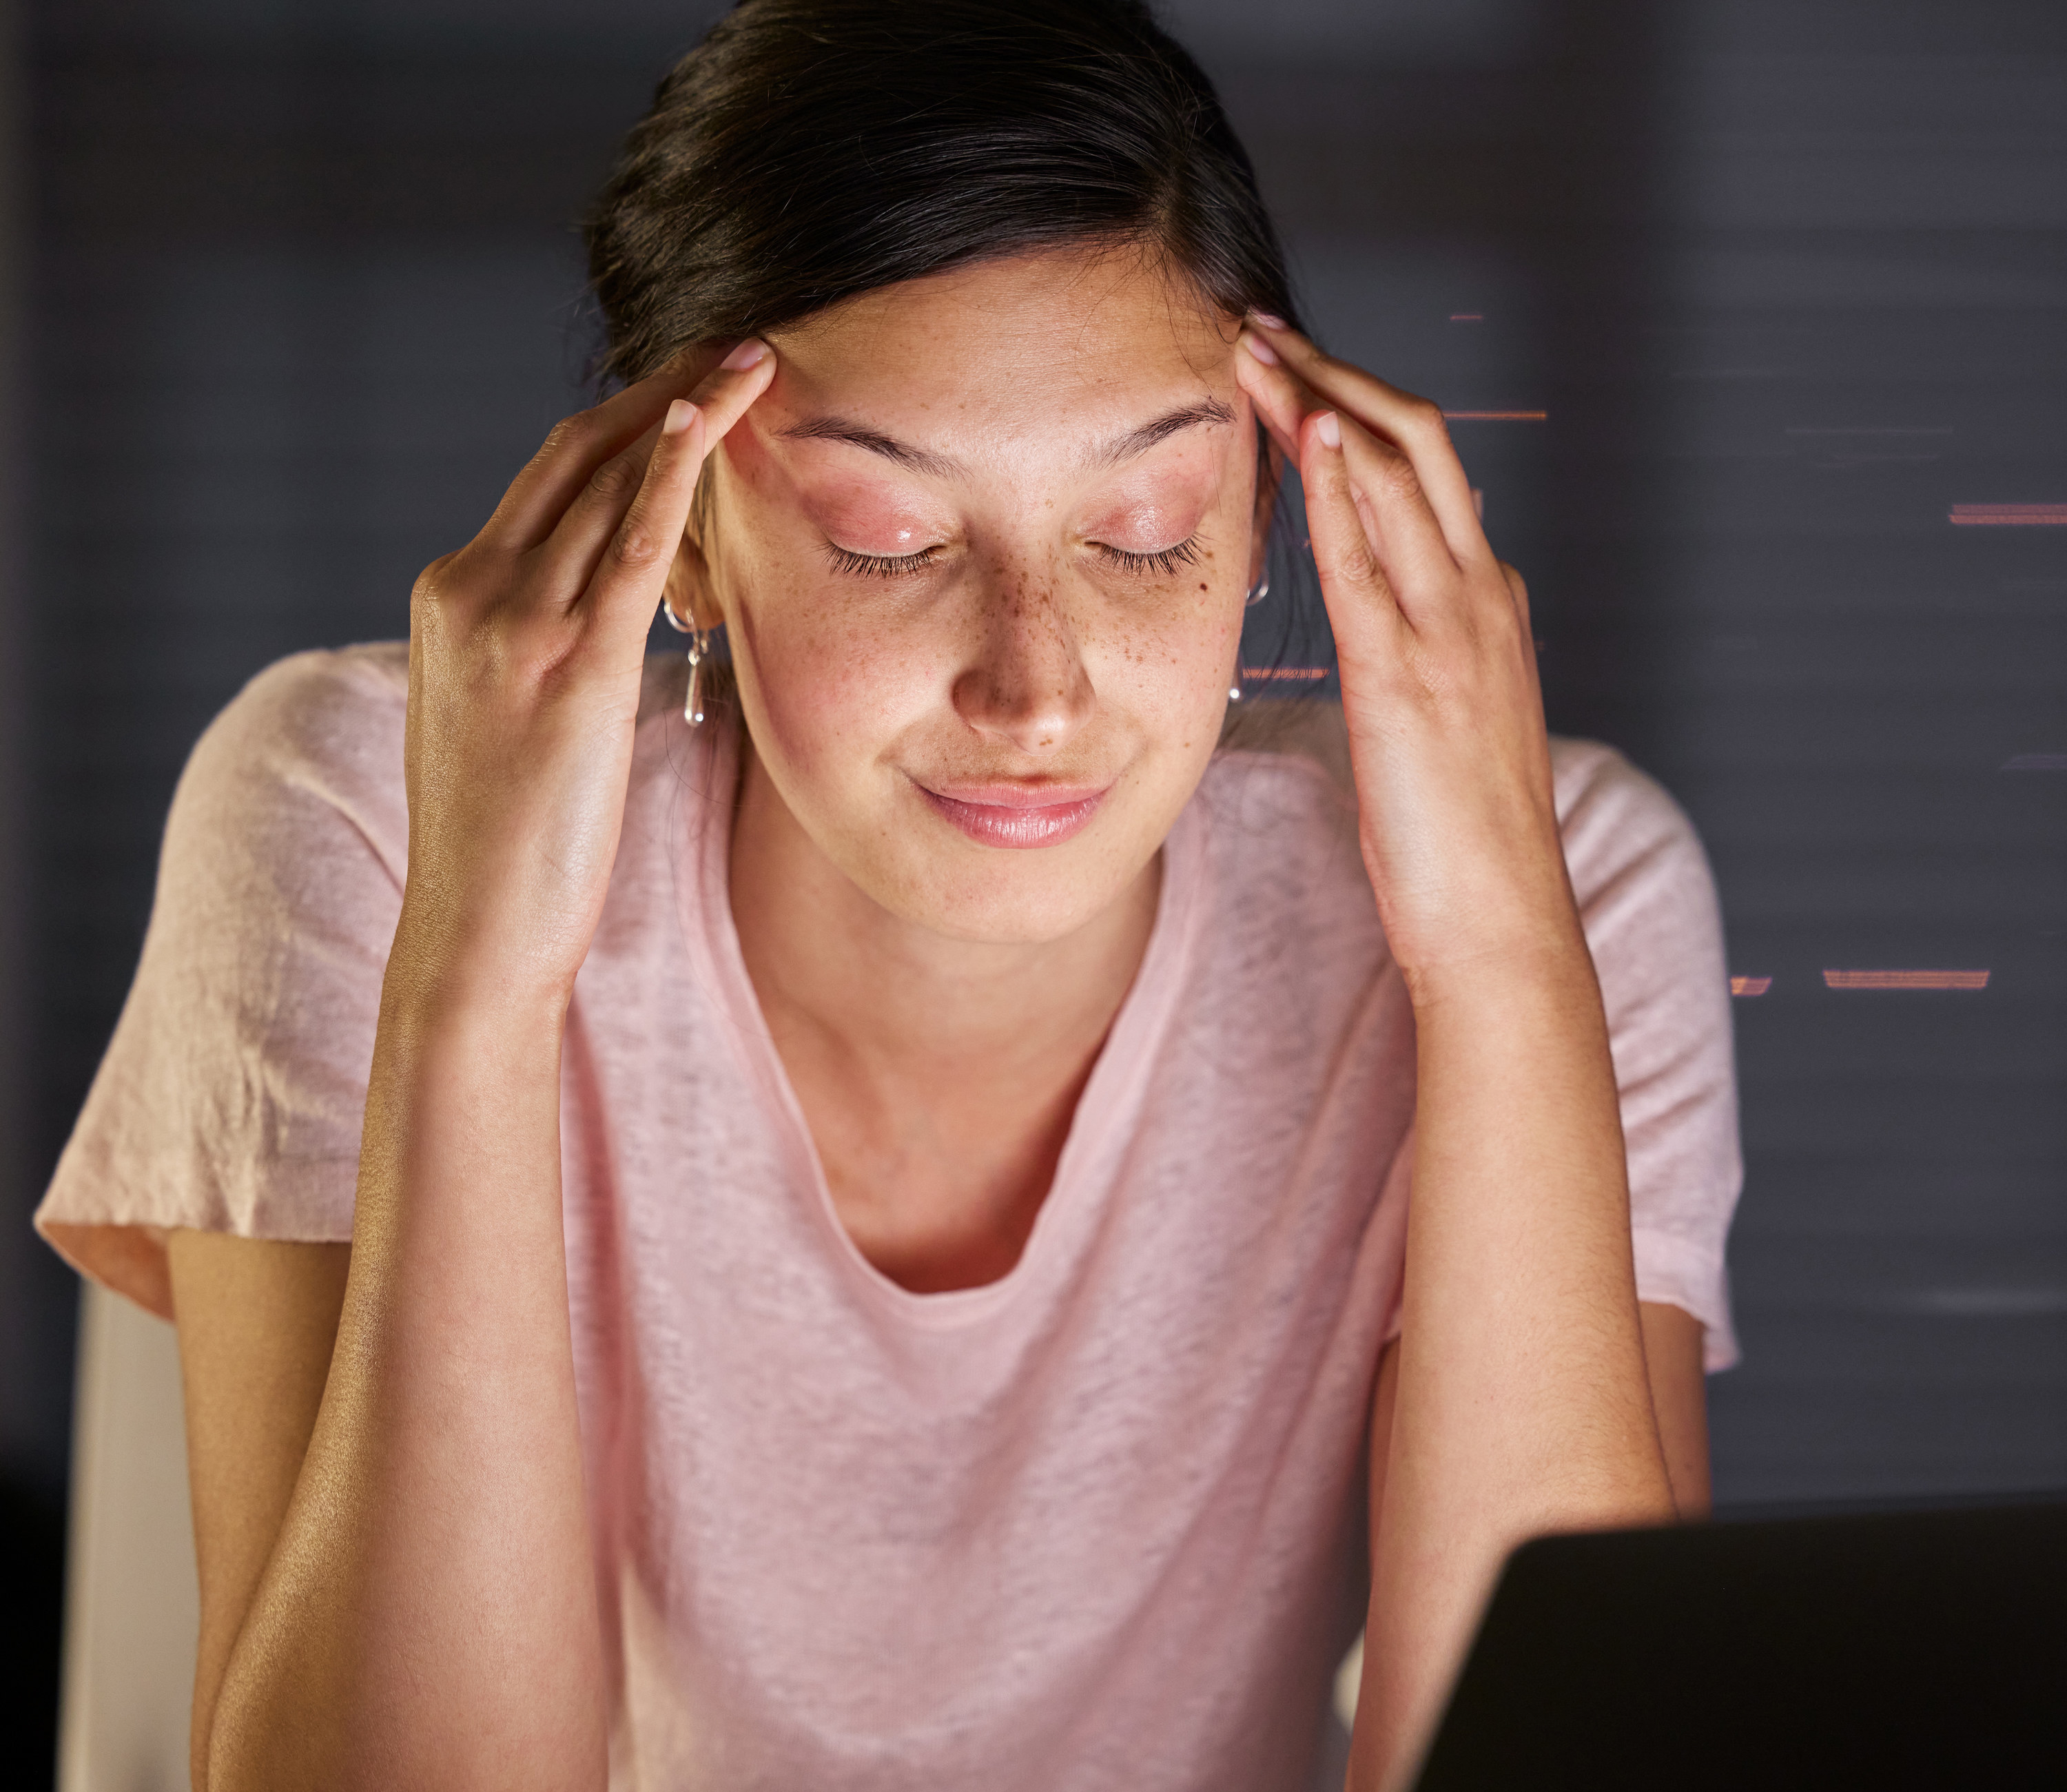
[(1096, 1525)]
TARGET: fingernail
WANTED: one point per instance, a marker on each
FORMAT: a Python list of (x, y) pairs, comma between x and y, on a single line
[(1269, 321), (1261, 349), (746, 355), (681, 413), (1328, 429)]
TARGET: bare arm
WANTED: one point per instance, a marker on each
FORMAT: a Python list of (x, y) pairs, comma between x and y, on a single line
[(399, 1586), (1522, 1399), (1523, 1410), (257, 1323), (1672, 1341), (1672, 1350), (427, 1613)]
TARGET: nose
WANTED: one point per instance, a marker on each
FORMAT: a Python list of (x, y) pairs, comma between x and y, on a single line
[(1027, 687)]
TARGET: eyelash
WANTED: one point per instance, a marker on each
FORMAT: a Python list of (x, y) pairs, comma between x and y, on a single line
[(1164, 561), (880, 565)]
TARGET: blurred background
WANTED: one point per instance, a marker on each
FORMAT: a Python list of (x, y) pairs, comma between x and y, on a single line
[(1752, 314)]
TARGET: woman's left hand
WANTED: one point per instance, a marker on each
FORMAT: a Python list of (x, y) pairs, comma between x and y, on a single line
[(1452, 767)]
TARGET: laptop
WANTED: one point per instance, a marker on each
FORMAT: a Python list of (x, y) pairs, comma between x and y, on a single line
[(1913, 1649)]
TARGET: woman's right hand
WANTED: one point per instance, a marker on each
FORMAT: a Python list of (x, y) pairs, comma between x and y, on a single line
[(525, 651), (408, 1594)]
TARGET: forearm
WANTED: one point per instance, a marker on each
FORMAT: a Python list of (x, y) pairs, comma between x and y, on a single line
[(427, 1617), (1521, 1403)]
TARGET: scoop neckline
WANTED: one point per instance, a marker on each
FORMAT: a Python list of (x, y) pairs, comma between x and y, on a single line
[(1117, 1077)]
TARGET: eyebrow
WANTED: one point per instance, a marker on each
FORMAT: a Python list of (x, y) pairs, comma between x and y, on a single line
[(836, 428), (1139, 441), (940, 466)]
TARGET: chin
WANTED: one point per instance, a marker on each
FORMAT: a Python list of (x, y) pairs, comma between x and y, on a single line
[(1017, 901)]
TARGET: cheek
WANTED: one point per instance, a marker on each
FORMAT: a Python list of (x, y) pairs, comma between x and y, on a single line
[(832, 677), (831, 684), (1178, 648)]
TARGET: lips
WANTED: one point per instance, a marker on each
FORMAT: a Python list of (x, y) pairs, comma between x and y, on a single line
[(1016, 815)]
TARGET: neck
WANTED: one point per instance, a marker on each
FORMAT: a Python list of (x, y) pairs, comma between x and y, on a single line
[(838, 973)]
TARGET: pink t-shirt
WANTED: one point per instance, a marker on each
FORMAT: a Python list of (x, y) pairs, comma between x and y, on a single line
[(1098, 1524)]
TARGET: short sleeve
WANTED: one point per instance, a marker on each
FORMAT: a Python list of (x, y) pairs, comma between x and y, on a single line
[(231, 1094), (1651, 918)]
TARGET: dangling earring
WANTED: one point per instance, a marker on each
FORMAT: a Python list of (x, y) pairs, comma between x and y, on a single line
[(692, 706), (1256, 593)]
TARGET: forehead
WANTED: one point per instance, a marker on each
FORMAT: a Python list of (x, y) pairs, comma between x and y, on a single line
[(1089, 338)]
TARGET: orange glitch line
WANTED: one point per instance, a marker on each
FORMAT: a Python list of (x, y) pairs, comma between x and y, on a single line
[(1750, 986), (1285, 671), (2007, 515), (1497, 416), (1905, 979)]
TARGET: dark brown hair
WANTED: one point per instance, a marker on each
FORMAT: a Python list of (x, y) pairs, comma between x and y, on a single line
[(808, 150)]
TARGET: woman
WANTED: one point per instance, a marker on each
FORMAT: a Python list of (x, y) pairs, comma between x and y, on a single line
[(879, 1249)]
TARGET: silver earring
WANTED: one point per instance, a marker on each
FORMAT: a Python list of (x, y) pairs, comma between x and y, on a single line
[(1260, 590), (692, 704)]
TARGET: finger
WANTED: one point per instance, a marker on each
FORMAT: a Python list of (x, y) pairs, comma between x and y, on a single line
[(577, 445), (561, 566), (1405, 535), (1281, 401), (726, 392), (634, 569), (631, 572), (1414, 423), (1404, 532), (1360, 598), (1518, 590), (568, 559)]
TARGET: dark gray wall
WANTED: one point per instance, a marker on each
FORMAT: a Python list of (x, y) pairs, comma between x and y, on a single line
[(20, 1368), (1787, 281)]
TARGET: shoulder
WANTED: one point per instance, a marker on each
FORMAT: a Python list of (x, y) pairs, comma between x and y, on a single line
[(1600, 794), (313, 741), (333, 708), (1627, 844), (324, 696), (1655, 930)]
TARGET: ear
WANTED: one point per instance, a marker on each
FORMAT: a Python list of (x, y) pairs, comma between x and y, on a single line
[(1269, 478)]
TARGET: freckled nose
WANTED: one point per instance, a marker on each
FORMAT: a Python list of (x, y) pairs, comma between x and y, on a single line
[(1026, 685)]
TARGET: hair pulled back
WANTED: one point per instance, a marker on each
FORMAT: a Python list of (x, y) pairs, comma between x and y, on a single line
[(809, 151)]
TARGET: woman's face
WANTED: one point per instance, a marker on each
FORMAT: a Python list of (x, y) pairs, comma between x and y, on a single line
[(981, 549)]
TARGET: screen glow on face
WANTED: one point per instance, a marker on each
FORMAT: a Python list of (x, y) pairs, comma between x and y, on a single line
[(987, 537)]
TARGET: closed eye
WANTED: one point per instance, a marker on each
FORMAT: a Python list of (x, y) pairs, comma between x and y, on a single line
[(879, 565), (1164, 561)]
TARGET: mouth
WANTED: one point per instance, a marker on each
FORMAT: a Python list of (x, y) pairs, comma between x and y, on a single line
[(1016, 815)]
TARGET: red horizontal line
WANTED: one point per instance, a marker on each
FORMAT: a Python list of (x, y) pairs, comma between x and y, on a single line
[(1285, 671), (2007, 515), (1905, 979), (1497, 416), (1750, 986)]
